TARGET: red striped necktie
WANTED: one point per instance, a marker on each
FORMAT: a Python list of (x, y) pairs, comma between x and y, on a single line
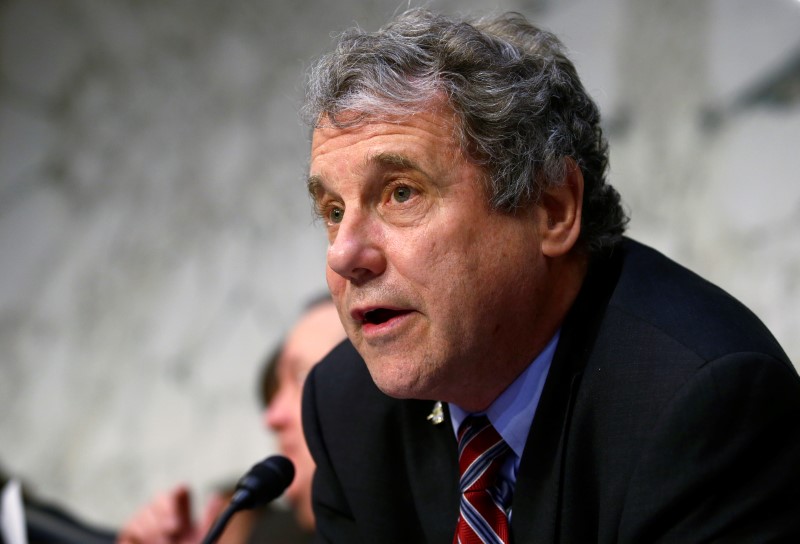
[(481, 451)]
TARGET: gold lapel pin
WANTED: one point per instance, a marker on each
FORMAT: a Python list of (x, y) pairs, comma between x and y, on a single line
[(437, 414)]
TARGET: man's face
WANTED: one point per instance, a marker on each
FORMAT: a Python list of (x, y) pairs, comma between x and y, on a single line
[(436, 291)]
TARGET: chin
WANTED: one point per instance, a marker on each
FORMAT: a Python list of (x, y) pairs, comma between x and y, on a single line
[(402, 388), (399, 375)]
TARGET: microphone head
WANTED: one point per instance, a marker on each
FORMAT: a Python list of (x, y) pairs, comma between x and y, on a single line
[(264, 482)]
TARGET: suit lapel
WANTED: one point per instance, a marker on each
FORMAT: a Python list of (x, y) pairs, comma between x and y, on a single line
[(539, 487), (432, 454)]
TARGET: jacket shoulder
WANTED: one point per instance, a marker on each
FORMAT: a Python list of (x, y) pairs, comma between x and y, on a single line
[(673, 304)]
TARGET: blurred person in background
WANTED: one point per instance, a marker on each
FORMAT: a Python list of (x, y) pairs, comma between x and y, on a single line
[(168, 518)]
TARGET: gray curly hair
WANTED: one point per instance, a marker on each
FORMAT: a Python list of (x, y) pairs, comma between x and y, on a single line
[(520, 106)]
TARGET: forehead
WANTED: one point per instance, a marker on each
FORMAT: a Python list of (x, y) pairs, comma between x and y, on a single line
[(423, 136)]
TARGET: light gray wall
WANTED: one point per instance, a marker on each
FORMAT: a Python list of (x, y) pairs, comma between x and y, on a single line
[(156, 240)]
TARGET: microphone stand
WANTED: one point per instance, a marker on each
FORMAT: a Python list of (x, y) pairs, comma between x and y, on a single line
[(219, 525), (241, 500)]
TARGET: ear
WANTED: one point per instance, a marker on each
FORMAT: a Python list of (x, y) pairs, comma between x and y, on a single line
[(560, 213)]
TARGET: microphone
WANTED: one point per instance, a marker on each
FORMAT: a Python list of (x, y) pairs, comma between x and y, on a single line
[(264, 482)]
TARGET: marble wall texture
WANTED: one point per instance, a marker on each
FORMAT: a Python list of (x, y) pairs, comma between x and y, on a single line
[(156, 239)]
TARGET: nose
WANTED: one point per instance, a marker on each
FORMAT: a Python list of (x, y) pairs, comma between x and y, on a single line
[(356, 253), (278, 414)]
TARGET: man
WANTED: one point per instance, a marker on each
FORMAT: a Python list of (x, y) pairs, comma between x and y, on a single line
[(168, 518), (477, 260)]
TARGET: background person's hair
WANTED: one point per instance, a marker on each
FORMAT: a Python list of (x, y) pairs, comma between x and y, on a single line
[(520, 104), (268, 382), (318, 299), (268, 376)]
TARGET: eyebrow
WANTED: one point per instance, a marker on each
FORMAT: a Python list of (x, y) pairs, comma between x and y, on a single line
[(393, 160), (315, 186), (397, 161)]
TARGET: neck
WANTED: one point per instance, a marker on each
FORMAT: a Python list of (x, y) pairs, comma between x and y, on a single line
[(556, 296)]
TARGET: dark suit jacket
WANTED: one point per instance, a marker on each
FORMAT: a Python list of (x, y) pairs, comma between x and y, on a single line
[(670, 414)]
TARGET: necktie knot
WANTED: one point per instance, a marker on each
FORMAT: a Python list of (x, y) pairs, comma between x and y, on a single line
[(480, 453)]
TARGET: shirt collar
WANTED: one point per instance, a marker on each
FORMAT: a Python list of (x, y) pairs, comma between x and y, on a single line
[(512, 412)]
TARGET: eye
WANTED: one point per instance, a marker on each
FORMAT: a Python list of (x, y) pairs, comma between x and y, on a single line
[(335, 215), (402, 193)]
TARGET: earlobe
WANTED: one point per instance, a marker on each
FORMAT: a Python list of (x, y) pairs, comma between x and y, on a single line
[(561, 208)]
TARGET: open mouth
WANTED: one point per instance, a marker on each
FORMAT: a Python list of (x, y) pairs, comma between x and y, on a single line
[(381, 315)]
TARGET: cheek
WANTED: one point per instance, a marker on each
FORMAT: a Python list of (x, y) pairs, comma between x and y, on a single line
[(472, 266), (335, 282), (425, 256)]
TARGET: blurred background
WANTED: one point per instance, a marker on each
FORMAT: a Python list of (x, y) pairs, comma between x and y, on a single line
[(156, 239)]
